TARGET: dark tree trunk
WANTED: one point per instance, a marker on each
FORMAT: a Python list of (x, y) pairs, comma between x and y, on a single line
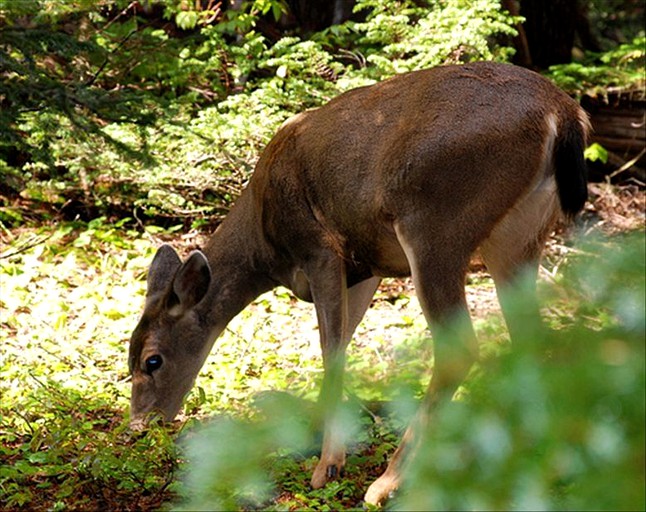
[(314, 15), (523, 56), (550, 26)]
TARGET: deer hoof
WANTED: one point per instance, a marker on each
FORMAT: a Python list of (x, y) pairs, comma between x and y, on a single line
[(380, 491), (334, 471), (324, 473)]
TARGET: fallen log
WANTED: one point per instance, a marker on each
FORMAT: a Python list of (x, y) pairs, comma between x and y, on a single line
[(619, 125)]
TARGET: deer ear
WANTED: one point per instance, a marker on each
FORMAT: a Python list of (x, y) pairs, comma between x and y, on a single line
[(190, 284), (162, 270)]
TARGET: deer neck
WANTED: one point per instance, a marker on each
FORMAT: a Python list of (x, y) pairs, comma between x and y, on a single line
[(238, 257)]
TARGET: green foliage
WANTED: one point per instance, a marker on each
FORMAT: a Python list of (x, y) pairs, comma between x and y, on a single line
[(557, 423), (596, 152), (266, 462), (69, 299), (94, 125), (70, 296), (66, 444), (621, 68), (399, 37)]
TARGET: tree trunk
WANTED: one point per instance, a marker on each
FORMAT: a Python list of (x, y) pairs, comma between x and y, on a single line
[(549, 28)]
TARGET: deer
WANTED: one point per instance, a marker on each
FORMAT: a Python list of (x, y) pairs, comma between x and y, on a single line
[(407, 177)]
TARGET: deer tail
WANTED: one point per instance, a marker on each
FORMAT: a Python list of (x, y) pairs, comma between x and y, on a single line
[(569, 165)]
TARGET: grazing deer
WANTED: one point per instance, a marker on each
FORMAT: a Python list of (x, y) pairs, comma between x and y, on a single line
[(406, 177)]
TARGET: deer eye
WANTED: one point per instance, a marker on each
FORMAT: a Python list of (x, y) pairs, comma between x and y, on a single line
[(153, 363)]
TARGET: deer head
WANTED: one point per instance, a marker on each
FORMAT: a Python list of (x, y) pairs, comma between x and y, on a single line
[(169, 345)]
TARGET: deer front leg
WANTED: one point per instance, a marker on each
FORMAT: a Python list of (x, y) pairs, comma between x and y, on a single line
[(332, 459), (339, 311), (330, 300)]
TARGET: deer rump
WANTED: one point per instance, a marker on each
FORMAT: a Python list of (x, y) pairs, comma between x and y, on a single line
[(408, 176)]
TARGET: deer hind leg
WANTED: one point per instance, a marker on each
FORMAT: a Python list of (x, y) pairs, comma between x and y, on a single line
[(333, 344), (512, 254), (438, 276)]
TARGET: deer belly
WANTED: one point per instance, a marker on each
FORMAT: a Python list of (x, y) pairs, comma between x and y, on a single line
[(385, 259)]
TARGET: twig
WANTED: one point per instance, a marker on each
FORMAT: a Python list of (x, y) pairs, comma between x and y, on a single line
[(375, 417), (358, 57), (628, 164), (122, 13), (20, 415), (26, 247), (143, 227), (107, 59)]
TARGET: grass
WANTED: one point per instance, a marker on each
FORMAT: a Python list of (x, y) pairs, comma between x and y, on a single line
[(71, 294)]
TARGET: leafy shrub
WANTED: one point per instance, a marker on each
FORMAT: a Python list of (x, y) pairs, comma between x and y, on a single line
[(620, 68), (400, 37)]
